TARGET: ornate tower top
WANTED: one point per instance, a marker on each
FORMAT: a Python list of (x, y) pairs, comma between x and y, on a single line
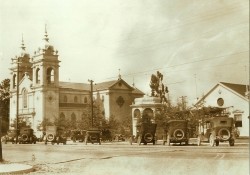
[(46, 38)]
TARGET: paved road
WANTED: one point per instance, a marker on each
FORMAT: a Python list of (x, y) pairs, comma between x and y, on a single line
[(122, 158)]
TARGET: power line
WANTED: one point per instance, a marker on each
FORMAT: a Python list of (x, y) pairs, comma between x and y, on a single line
[(196, 61)]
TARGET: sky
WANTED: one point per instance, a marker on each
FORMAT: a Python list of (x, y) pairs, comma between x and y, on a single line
[(195, 44)]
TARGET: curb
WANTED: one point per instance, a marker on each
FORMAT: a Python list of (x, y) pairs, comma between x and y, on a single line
[(14, 168)]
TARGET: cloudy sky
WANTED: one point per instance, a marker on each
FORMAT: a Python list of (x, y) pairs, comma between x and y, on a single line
[(195, 44)]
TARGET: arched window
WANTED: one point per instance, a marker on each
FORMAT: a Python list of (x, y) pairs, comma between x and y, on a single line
[(65, 99), (147, 114), (75, 99), (50, 75), (24, 94), (38, 76), (85, 100), (137, 113), (62, 116), (14, 81)]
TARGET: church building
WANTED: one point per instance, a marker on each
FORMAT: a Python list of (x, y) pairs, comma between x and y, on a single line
[(42, 96)]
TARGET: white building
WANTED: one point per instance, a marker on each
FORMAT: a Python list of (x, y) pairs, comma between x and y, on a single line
[(42, 96), (234, 96)]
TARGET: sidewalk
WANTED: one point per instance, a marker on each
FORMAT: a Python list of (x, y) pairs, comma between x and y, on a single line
[(15, 168)]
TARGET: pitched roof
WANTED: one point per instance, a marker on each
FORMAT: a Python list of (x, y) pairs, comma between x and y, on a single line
[(76, 86), (104, 85), (97, 87), (137, 91), (239, 88)]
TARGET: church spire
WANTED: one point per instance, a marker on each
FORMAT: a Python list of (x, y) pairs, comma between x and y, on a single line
[(46, 38), (119, 76), (22, 45)]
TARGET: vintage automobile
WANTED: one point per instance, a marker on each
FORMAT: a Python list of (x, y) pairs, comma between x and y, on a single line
[(10, 136), (176, 131), (93, 136), (217, 129), (78, 135), (55, 134), (146, 132), (27, 136)]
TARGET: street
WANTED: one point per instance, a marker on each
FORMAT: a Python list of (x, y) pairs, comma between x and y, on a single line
[(122, 158)]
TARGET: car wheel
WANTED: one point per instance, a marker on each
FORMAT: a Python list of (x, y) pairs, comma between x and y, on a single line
[(198, 140), (148, 137), (217, 142), (211, 140), (168, 140), (139, 140), (231, 142)]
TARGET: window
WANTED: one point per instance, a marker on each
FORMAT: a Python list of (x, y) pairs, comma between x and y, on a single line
[(85, 100), (14, 81), (24, 94), (220, 102), (238, 120), (75, 99), (65, 99), (50, 75), (38, 76), (137, 113)]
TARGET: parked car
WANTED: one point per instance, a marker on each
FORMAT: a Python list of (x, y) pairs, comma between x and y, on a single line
[(93, 136), (78, 135), (176, 131), (10, 136), (216, 130), (146, 133), (27, 136), (55, 134)]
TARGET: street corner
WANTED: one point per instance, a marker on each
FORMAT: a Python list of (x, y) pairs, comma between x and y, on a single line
[(15, 168)]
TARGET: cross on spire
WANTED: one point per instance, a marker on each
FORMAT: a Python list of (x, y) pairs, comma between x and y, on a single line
[(22, 45), (46, 38), (119, 76)]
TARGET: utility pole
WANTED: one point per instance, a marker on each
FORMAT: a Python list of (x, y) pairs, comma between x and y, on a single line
[(1, 153), (91, 100)]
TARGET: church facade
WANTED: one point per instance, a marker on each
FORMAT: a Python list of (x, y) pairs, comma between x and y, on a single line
[(38, 95)]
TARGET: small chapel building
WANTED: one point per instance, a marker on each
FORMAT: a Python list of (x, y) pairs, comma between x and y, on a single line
[(233, 96)]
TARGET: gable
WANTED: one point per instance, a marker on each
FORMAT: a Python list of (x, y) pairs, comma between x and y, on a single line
[(233, 89), (25, 83), (121, 85)]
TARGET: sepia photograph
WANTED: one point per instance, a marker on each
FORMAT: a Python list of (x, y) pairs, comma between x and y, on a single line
[(135, 87)]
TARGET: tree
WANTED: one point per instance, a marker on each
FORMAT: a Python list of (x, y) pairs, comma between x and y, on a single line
[(4, 104)]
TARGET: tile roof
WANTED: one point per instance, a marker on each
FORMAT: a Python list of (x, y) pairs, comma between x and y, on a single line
[(239, 88), (96, 87), (77, 86)]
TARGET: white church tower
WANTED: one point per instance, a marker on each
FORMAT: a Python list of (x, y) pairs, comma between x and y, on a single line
[(37, 81), (45, 83)]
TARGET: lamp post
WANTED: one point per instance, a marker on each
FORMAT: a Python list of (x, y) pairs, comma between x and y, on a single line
[(91, 101)]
